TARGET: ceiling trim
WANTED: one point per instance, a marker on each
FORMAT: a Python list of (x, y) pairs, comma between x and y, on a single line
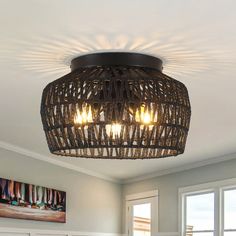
[(54, 161), (181, 168)]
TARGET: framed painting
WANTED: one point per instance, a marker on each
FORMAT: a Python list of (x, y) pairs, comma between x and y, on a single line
[(31, 202)]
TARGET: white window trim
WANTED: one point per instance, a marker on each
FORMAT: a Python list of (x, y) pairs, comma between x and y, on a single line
[(218, 187), (139, 197), (147, 194)]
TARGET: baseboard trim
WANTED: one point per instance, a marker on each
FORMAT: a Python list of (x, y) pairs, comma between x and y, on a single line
[(163, 234), (39, 232), (7, 231), (168, 234)]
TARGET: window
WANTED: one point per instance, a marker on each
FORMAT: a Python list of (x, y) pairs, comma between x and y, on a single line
[(229, 212), (209, 209), (141, 217), (200, 215)]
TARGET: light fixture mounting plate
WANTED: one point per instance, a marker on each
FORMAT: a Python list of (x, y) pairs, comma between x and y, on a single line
[(116, 59)]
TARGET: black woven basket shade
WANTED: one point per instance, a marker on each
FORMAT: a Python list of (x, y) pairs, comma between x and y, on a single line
[(116, 106)]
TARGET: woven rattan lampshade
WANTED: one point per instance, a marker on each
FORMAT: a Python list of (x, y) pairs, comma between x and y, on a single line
[(116, 106)]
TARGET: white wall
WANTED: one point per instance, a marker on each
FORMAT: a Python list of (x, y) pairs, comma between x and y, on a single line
[(168, 185), (93, 205)]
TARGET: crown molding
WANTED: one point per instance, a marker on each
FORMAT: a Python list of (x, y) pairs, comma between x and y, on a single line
[(54, 161), (210, 161)]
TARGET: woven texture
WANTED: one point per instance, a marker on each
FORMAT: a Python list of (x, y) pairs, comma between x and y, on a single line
[(116, 95)]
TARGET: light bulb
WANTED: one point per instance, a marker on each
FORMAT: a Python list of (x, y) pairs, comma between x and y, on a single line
[(90, 116), (143, 116), (113, 130), (78, 118), (84, 116), (146, 118)]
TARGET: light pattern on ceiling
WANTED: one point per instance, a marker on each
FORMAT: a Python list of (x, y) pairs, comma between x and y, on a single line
[(52, 56)]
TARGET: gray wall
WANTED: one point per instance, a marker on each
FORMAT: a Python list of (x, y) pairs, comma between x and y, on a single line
[(93, 205), (168, 189)]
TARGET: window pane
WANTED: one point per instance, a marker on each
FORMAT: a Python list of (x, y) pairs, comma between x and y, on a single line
[(230, 209), (200, 212), (230, 233), (142, 219)]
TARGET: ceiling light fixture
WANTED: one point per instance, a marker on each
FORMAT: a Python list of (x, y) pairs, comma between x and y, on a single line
[(116, 106)]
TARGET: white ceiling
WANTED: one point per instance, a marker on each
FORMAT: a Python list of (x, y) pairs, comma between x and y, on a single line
[(196, 40)]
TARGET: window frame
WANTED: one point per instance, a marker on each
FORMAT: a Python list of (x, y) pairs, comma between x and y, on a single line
[(185, 211), (223, 190), (141, 198), (218, 188)]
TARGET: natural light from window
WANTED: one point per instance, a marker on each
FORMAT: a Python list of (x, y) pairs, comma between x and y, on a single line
[(230, 212), (200, 214), (209, 211), (142, 220)]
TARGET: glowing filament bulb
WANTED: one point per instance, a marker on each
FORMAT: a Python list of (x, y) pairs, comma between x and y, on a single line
[(90, 116), (146, 118), (84, 116), (143, 116), (78, 118), (113, 130), (137, 116)]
